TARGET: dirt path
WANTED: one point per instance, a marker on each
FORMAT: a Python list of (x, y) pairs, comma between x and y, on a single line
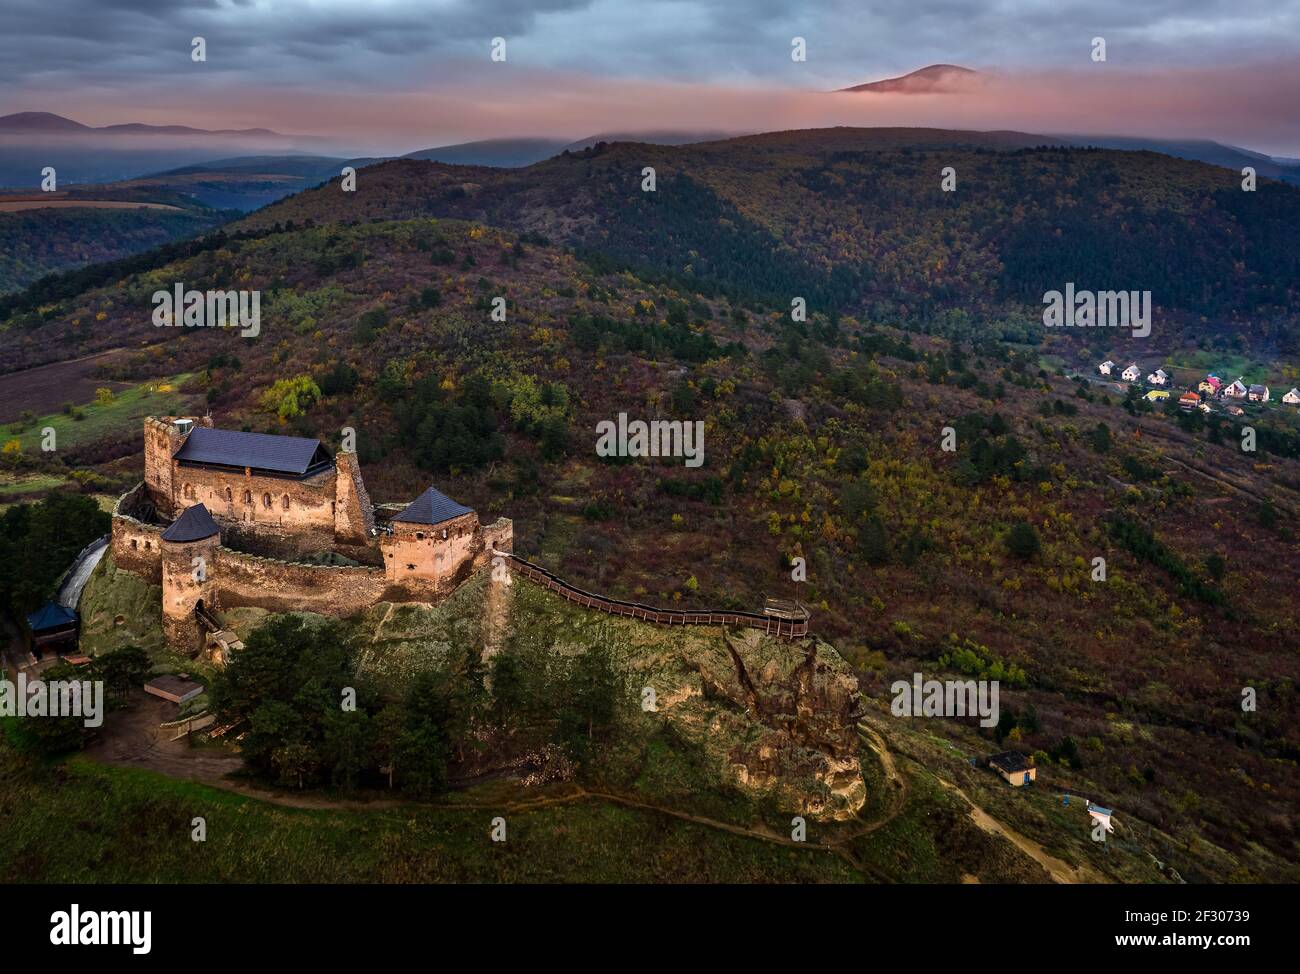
[(1060, 871)]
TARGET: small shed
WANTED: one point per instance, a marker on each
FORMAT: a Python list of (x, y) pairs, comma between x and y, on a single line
[(1015, 767), (53, 626), (174, 688)]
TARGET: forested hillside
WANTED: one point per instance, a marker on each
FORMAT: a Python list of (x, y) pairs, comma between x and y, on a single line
[(857, 220), (823, 438), (36, 242)]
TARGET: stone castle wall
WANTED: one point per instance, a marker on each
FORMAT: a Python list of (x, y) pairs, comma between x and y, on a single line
[(280, 515)]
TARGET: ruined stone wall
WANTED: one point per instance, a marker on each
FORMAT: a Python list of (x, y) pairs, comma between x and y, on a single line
[(499, 535), (354, 516), (136, 546), (241, 579)]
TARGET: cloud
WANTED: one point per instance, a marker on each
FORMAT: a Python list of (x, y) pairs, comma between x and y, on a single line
[(391, 75)]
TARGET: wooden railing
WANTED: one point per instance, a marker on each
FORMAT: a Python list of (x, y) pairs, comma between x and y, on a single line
[(772, 625)]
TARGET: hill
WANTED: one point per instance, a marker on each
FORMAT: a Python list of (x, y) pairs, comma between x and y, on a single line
[(823, 437), (932, 79), (857, 220), (42, 233)]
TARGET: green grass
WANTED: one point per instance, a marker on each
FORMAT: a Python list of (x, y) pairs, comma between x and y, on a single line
[(28, 485), (107, 421), (79, 821)]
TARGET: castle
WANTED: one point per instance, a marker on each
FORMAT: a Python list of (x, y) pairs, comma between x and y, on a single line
[(225, 518)]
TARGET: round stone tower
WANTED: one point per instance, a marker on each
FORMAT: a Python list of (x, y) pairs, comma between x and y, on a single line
[(189, 554)]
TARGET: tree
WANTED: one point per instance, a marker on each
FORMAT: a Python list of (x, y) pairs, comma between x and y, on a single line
[(386, 740), (1216, 566), (290, 398), (589, 691), (1022, 540), (123, 669)]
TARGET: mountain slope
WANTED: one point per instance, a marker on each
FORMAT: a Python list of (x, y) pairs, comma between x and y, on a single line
[(858, 219), (932, 79)]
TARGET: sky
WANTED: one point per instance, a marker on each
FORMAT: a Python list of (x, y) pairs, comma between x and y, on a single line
[(398, 75)]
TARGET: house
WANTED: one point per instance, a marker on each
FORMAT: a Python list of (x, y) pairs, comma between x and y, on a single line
[(52, 626), (1257, 393), (1015, 767), (1156, 394), (1131, 374), (1211, 385), (1159, 378), (1292, 398), (1236, 391), (1101, 816), (1189, 400), (1106, 367)]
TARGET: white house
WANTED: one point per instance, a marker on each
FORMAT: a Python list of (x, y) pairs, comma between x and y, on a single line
[(1158, 378), (1292, 398), (1258, 393), (1236, 391), (1101, 816), (1131, 374), (1105, 367)]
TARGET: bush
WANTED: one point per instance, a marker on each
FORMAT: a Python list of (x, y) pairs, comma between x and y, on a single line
[(1022, 540)]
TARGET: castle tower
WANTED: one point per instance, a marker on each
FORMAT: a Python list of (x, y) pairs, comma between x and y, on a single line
[(189, 555), (162, 438)]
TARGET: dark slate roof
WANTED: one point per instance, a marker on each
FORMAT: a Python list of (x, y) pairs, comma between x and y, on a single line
[(433, 507), (196, 523), (261, 451), (51, 616), (1010, 761)]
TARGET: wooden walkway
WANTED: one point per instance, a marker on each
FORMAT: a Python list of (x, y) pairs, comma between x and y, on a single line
[(772, 625)]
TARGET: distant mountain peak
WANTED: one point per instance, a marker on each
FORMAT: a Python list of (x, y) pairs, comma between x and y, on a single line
[(39, 121), (49, 122), (929, 80)]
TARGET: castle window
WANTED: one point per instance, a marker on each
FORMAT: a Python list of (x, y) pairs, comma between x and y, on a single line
[(230, 497), (135, 542), (266, 501), (410, 568), (419, 535), (285, 502), (188, 491), (248, 497), (444, 534)]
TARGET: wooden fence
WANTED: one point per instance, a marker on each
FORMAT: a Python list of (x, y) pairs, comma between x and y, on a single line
[(772, 625)]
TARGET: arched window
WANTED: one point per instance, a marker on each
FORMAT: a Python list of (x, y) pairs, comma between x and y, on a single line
[(266, 501), (285, 502), (188, 491), (230, 497), (248, 497)]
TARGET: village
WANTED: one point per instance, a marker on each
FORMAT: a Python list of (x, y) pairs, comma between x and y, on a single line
[(1208, 391)]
